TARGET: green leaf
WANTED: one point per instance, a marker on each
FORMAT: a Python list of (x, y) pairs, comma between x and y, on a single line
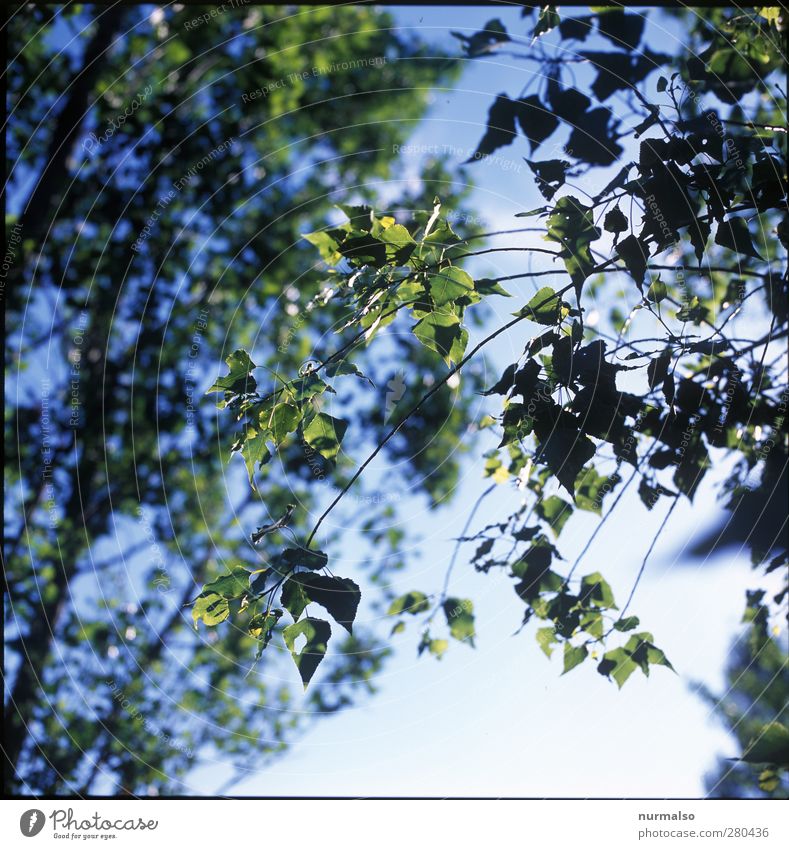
[(592, 623), (211, 608), (324, 433), (571, 224), (317, 632), (619, 664), (443, 333), (772, 14), (326, 245), (555, 511), (460, 618), (573, 655), (283, 419), (307, 387), (638, 649), (413, 602), (657, 291), (434, 215), (692, 310), (436, 647), (399, 243), (486, 286), (233, 585), (656, 656), (546, 637), (255, 451), (590, 489), (546, 307), (293, 597), (341, 367), (627, 624), (239, 380), (449, 285), (734, 234), (769, 780), (770, 745), (596, 590), (340, 596), (261, 627)]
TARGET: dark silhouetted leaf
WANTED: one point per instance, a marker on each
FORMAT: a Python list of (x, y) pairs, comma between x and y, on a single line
[(734, 234), (593, 137), (615, 221), (770, 745), (486, 40), (504, 383), (501, 127), (536, 121), (635, 255), (547, 20), (340, 596), (575, 28), (623, 29), (566, 452), (304, 557), (550, 175)]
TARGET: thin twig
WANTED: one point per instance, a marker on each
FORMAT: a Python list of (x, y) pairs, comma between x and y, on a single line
[(646, 557)]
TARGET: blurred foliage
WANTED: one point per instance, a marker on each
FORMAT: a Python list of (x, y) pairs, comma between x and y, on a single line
[(161, 173), (753, 710)]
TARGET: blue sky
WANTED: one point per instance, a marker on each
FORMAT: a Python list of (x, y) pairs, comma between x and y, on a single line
[(500, 720)]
